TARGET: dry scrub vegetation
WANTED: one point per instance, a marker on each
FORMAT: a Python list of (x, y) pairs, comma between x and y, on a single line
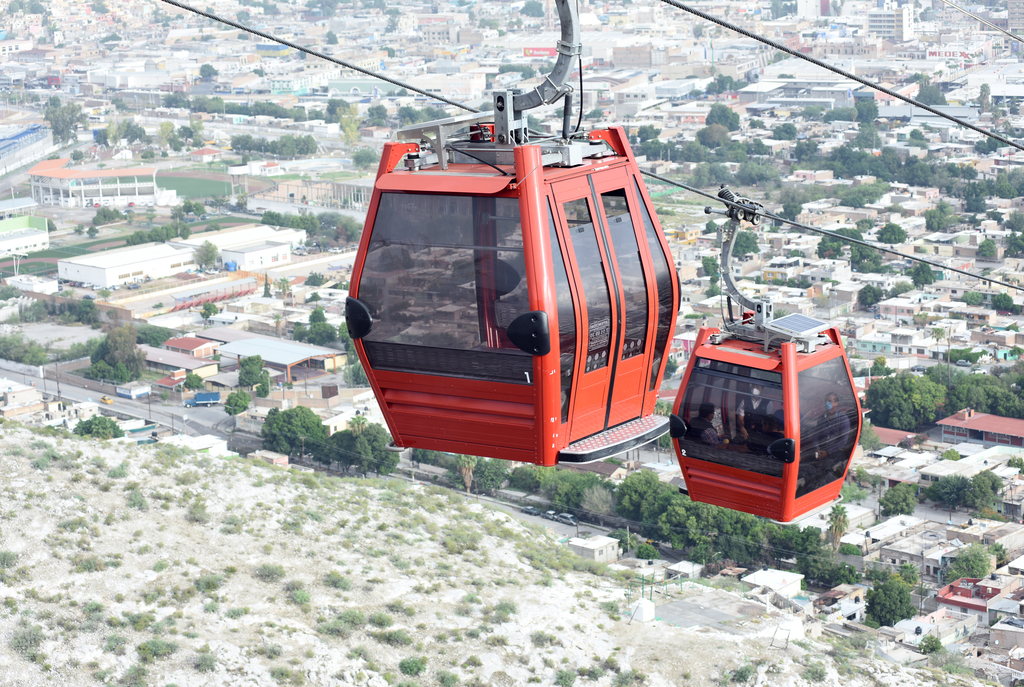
[(133, 566)]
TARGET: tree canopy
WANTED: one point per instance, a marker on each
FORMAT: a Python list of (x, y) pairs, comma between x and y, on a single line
[(890, 602), (899, 500), (99, 427), (904, 401), (973, 561), (283, 430)]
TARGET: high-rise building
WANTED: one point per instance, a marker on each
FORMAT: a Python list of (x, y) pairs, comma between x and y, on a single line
[(892, 22), (1015, 14)]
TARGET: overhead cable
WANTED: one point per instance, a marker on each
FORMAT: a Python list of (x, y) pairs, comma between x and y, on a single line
[(841, 72), (825, 232), (317, 53)]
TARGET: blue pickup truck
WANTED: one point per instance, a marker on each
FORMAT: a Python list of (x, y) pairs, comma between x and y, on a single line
[(203, 398)]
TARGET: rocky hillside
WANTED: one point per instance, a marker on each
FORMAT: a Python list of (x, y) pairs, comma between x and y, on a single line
[(155, 566)]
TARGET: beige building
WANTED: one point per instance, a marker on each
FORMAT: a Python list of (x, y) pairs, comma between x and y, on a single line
[(600, 549)]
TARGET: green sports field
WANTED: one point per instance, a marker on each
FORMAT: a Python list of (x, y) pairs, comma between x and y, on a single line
[(188, 187)]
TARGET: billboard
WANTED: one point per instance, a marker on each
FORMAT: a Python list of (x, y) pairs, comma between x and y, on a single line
[(539, 52)]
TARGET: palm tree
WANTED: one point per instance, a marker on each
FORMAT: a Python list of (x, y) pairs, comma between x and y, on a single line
[(466, 465), (838, 523), (357, 424), (286, 286)]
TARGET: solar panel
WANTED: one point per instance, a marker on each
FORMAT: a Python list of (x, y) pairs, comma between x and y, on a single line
[(798, 325)]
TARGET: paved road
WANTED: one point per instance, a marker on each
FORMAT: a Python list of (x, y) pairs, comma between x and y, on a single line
[(198, 420)]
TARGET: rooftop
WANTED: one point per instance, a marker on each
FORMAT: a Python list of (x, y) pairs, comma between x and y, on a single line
[(55, 170), (984, 422), (275, 351), (128, 256), (187, 343)]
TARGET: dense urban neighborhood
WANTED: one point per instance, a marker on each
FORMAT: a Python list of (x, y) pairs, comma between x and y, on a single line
[(179, 388)]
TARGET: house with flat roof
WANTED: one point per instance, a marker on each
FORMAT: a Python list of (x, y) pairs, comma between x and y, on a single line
[(978, 596), (783, 582), (600, 549), (162, 360)]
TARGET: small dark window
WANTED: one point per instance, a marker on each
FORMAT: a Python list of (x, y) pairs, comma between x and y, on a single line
[(663, 277), (733, 414), (566, 318), (828, 425), (631, 270), (583, 235)]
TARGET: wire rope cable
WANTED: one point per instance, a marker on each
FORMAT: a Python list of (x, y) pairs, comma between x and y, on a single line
[(317, 53), (841, 72)]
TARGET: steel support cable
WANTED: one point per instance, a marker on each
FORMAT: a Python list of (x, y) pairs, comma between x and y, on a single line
[(317, 53), (825, 232), (674, 3), (836, 70), (986, 22)]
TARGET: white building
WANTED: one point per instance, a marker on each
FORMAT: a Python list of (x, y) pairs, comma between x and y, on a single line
[(127, 265), (896, 23), (250, 246), (33, 284), (782, 582), (23, 234)]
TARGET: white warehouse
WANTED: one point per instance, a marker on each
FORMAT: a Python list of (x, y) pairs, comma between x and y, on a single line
[(250, 247), (127, 265)]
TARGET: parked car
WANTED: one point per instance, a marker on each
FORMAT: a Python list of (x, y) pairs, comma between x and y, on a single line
[(107, 400), (566, 519), (963, 363), (550, 515), (132, 287), (115, 287), (131, 205), (89, 297), (919, 368), (530, 510)]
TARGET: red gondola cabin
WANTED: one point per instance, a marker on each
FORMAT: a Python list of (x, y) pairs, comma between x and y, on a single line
[(516, 310), (769, 433)]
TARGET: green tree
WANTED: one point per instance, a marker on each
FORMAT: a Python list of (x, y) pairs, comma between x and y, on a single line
[(987, 249), (930, 645), (869, 440), (284, 430), (647, 552), (209, 310), (972, 298), (931, 95), (909, 573), (119, 349), (194, 382), (904, 401), (713, 136), (892, 233), (532, 8), (237, 403), (838, 523), (867, 110), (64, 122), (890, 602), (99, 427), (206, 255), (250, 371), (207, 72), (950, 491), (784, 132), (984, 490), (973, 561), (899, 500), (869, 295), (465, 466), (723, 115), (1003, 302), (746, 243), (951, 454), (332, 38), (364, 158)]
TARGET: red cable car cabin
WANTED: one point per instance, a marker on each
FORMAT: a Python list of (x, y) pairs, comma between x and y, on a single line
[(524, 317), (737, 402)]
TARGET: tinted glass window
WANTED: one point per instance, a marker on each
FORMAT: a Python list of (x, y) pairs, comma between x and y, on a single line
[(828, 425), (732, 414), (663, 279), (595, 285), (566, 318), (446, 274), (631, 270)]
